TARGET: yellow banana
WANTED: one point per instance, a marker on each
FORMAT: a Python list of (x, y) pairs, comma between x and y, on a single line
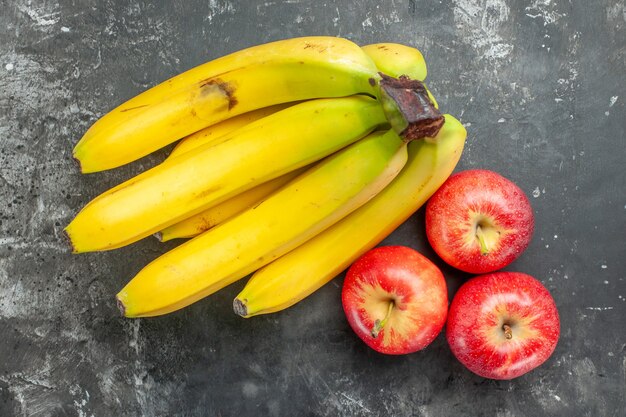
[(215, 215), (217, 133), (277, 72), (300, 210), (194, 181), (302, 271), (391, 58), (395, 59)]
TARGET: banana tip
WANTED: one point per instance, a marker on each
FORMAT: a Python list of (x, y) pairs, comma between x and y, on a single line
[(67, 239), (78, 163), (158, 236), (120, 305), (240, 307)]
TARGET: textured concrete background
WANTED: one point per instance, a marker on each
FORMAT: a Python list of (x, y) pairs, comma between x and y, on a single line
[(539, 85)]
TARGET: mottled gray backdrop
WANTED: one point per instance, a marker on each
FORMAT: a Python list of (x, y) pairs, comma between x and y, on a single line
[(539, 85)]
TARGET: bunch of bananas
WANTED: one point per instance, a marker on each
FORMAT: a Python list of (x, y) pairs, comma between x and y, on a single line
[(298, 156)]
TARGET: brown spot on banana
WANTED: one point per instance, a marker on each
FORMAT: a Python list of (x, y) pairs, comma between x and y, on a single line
[(133, 108), (226, 89), (206, 224), (319, 48)]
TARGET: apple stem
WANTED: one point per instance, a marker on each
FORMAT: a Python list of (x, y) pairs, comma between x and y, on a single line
[(379, 324), (484, 250), (508, 332)]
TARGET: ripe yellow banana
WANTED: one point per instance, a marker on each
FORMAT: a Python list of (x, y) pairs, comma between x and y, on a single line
[(215, 215), (277, 72), (195, 181), (302, 271), (217, 133), (303, 208), (395, 59), (391, 58)]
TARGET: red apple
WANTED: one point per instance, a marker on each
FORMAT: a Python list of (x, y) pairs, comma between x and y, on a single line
[(479, 221), (502, 325), (395, 299)]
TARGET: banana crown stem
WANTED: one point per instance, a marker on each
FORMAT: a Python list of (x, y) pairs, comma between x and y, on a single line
[(408, 108)]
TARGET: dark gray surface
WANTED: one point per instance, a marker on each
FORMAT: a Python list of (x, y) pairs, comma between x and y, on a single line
[(540, 86)]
